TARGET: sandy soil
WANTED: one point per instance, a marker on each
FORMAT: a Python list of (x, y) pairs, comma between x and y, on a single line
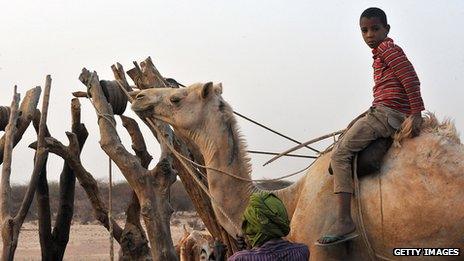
[(90, 242)]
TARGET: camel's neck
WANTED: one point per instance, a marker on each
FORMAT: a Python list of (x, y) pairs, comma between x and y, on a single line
[(224, 151)]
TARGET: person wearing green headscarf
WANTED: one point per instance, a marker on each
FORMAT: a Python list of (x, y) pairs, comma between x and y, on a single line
[(265, 223)]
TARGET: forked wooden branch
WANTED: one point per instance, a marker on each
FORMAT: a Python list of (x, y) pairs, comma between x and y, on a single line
[(61, 230), (138, 143), (73, 167), (71, 155), (147, 76), (28, 110), (120, 77), (41, 156), (150, 186), (11, 226), (109, 140), (134, 237)]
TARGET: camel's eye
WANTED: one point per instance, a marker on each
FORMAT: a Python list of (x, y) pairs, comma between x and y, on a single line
[(140, 96), (175, 99)]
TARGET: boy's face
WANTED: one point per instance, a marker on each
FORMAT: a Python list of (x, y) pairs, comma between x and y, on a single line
[(373, 31)]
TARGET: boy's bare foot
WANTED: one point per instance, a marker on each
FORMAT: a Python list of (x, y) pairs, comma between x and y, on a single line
[(338, 231), (343, 228)]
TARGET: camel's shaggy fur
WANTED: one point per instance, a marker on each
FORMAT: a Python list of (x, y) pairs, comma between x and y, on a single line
[(445, 129)]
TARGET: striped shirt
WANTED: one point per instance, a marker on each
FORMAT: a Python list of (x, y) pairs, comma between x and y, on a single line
[(396, 83), (274, 250)]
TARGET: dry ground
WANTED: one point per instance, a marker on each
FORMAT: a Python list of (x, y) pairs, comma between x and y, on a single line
[(90, 242)]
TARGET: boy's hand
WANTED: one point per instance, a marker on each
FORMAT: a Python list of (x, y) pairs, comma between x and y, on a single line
[(416, 124)]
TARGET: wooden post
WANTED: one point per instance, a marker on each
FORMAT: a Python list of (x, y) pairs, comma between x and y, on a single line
[(44, 215), (134, 243), (150, 186), (71, 156), (60, 234), (11, 226), (5, 190)]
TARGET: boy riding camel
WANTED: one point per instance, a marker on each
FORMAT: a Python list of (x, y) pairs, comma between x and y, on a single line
[(396, 97)]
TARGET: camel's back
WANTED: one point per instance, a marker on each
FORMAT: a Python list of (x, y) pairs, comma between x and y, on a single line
[(415, 201)]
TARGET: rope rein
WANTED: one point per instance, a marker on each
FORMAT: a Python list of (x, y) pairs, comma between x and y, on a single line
[(236, 176), (273, 131), (359, 214)]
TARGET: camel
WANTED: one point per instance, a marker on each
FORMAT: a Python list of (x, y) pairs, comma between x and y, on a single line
[(415, 200), (195, 246)]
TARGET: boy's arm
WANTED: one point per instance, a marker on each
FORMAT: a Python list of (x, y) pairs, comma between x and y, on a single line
[(395, 58)]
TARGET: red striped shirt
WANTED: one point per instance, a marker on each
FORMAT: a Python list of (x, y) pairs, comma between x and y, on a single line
[(396, 83)]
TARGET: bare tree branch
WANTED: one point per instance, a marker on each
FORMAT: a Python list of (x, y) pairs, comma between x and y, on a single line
[(71, 155), (41, 156), (44, 215), (60, 234), (6, 168), (27, 109), (7, 223), (10, 229), (138, 143), (109, 140), (151, 187)]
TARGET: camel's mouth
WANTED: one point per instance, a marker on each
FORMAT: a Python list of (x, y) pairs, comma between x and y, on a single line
[(149, 114), (138, 108), (159, 118)]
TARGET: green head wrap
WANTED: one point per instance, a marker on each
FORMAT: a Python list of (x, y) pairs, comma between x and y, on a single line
[(265, 218)]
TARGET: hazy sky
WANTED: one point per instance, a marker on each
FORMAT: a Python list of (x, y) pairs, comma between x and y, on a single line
[(300, 67)]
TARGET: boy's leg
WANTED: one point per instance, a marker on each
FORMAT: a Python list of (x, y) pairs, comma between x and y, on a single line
[(367, 129)]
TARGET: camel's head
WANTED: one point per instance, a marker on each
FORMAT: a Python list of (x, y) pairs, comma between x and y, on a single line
[(195, 246), (184, 108)]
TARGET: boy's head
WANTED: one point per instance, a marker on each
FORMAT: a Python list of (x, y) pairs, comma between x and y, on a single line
[(374, 26)]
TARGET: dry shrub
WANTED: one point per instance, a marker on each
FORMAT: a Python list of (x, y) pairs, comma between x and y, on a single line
[(83, 211)]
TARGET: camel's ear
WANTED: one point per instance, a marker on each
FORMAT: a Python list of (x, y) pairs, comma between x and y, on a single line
[(206, 90), (218, 88), (133, 94)]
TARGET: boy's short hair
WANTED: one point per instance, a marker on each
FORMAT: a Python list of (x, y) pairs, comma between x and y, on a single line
[(375, 12)]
